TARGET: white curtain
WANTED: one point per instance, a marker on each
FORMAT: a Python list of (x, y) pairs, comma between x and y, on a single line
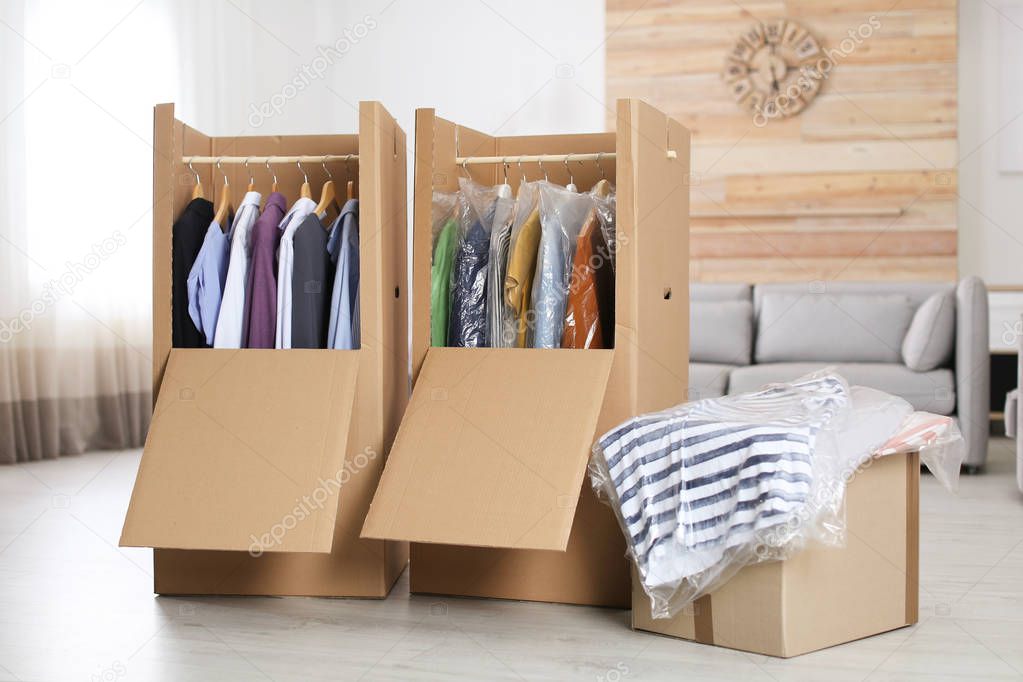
[(75, 239)]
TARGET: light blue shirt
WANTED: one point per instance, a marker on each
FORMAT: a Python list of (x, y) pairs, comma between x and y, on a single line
[(206, 280), (549, 293), (563, 212), (344, 329)]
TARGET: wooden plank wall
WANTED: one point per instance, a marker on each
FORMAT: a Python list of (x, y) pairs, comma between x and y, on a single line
[(881, 133)]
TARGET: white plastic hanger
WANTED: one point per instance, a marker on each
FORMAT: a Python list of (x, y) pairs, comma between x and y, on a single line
[(504, 189)]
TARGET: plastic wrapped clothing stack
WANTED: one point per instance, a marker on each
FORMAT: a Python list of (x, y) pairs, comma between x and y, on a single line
[(703, 489)]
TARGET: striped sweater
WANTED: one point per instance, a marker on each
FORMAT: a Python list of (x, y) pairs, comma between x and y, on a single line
[(694, 482)]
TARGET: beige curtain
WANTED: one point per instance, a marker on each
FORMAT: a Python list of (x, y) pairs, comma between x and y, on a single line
[(75, 216)]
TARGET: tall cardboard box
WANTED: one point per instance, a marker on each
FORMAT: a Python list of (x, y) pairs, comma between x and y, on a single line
[(822, 596), (487, 476), (260, 465)]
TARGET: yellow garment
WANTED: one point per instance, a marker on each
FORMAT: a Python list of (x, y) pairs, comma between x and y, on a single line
[(518, 281)]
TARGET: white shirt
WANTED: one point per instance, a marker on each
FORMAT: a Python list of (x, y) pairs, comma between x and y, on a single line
[(286, 267), (232, 307)]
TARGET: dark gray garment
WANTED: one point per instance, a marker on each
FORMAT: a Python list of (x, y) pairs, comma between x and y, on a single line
[(311, 282), (467, 320)]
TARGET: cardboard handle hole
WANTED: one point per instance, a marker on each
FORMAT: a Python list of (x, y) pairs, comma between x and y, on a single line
[(397, 292), (667, 293)]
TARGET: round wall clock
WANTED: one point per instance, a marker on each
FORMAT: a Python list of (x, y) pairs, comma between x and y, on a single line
[(770, 71)]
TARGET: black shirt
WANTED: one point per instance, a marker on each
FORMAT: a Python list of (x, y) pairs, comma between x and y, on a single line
[(311, 283), (187, 235)]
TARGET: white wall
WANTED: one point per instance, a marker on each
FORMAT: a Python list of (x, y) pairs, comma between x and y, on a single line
[(500, 66), (991, 202)]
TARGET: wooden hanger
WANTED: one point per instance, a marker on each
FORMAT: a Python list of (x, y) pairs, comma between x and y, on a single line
[(350, 188), (252, 180), (273, 186), (197, 192), (328, 197), (306, 192), (225, 207)]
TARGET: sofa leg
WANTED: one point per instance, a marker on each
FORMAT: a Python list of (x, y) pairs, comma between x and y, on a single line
[(971, 469)]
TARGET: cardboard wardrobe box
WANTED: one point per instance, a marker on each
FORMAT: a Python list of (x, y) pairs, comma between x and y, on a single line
[(822, 596), (487, 476), (259, 465)]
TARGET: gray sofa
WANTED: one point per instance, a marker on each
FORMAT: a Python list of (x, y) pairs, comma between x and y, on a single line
[(924, 341), (1014, 417)]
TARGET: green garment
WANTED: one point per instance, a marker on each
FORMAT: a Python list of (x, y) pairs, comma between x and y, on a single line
[(440, 282)]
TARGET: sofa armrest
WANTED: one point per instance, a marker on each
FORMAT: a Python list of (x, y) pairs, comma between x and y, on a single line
[(1018, 404), (973, 368)]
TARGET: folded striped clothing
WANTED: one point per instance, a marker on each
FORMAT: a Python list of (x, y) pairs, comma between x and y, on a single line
[(697, 484)]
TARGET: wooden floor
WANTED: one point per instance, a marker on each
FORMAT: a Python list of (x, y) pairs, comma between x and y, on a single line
[(75, 607)]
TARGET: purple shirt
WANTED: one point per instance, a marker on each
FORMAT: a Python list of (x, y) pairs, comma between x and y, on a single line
[(261, 296)]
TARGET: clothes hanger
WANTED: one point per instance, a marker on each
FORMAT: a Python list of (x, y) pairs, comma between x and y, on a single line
[(328, 197), (197, 192), (543, 170), (306, 192), (603, 186), (252, 180), (504, 189), (273, 187), (350, 185), (225, 208), (571, 180)]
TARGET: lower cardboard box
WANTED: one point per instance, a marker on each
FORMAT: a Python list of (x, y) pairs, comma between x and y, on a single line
[(487, 478), (235, 504), (822, 596)]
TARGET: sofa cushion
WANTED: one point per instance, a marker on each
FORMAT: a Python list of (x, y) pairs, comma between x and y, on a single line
[(720, 291), (932, 333), (708, 380), (721, 332), (917, 292), (832, 327), (932, 391)]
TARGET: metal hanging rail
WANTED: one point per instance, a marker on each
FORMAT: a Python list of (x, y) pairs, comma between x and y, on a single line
[(542, 158), (324, 158)]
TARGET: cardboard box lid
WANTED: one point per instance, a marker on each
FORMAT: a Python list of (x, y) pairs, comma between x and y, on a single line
[(245, 447), (492, 449)]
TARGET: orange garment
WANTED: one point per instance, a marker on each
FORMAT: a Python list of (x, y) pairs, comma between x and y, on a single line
[(589, 312)]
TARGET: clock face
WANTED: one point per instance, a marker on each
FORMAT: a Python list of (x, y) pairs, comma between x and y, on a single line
[(770, 70)]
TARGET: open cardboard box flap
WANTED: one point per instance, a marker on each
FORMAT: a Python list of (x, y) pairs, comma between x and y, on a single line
[(492, 449), (242, 443)]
